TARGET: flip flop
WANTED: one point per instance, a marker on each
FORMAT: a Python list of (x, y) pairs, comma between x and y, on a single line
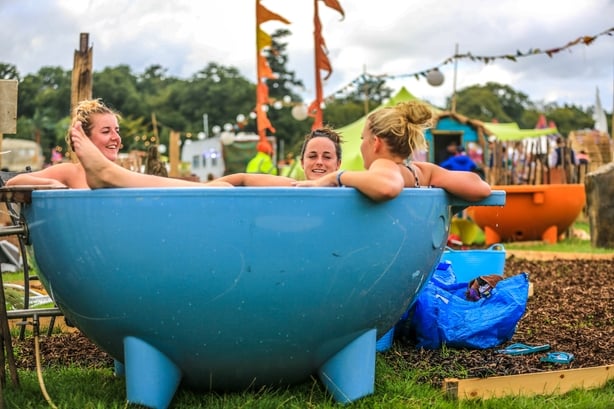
[(522, 349), (558, 358)]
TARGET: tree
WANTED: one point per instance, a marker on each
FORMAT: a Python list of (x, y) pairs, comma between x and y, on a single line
[(117, 87), (478, 102), (570, 118), (495, 101), (8, 72), (368, 90)]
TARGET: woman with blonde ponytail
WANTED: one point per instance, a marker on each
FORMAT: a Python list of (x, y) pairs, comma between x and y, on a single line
[(389, 138)]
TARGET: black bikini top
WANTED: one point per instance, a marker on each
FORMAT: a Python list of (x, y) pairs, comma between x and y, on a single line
[(413, 172)]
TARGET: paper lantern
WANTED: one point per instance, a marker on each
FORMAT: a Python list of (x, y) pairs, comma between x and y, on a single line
[(434, 77), (227, 138), (299, 112)]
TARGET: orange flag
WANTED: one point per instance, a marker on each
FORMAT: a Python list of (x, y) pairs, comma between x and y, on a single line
[(322, 61), (264, 69), (334, 4), (263, 14), (263, 123), (262, 93)]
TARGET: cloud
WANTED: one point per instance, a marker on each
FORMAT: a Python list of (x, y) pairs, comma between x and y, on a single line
[(392, 37)]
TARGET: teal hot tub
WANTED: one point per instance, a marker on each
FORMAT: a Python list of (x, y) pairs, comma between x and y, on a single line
[(224, 289)]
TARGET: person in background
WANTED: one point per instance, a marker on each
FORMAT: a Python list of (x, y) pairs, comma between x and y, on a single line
[(389, 137), (561, 155), (460, 161), (451, 150), (320, 155), (583, 158), (262, 162)]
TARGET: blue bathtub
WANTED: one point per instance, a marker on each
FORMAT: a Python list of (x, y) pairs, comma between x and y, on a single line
[(224, 289)]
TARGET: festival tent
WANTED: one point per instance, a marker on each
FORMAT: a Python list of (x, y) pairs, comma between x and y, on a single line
[(511, 132), (350, 134), (352, 159)]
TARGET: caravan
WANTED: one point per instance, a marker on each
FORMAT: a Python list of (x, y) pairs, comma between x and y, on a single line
[(204, 157), (221, 155), (18, 154)]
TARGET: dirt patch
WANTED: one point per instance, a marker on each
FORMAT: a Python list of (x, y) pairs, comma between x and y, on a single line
[(572, 310)]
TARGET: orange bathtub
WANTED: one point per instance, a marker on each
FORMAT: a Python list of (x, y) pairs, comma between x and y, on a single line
[(531, 212)]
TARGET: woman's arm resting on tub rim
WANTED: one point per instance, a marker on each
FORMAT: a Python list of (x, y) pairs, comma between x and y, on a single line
[(466, 185)]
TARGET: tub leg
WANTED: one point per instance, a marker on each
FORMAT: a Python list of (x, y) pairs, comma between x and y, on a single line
[(491, 236), (118, 368), (151, 378), (551, 235), (350, 374)]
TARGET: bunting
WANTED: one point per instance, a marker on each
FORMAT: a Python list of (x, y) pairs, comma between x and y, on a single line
[(550, 52), (322, 63), (264, 71)]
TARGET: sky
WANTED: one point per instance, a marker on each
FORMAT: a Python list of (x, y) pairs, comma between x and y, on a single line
[(395, 38)]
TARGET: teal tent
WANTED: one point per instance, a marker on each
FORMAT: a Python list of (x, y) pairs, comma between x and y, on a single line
[(352, 159)]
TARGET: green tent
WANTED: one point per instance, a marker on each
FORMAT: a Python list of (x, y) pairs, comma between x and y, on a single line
[(351, 157), (511, 132)]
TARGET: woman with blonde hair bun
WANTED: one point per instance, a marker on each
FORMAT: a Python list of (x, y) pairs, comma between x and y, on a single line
[(389, 138)]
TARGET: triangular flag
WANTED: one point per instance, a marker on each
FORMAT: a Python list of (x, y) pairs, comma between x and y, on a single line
[(264, 69), (601, 122), (263, 39), (322, 61), (263, 122), (263, 14), (334, 4)]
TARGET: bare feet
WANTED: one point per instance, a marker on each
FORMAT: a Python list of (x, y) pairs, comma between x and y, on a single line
[(100, 172), (93, 161)]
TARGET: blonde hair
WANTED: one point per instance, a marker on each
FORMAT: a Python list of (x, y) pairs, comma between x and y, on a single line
[(83, 112), (402, 126)]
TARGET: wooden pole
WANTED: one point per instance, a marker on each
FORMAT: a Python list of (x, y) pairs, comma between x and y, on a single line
[(453, 102), (318, 115), (81, 85), (173, 154), (154, 124)]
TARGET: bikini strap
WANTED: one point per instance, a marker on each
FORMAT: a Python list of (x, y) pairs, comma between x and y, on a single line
[(413, 172)]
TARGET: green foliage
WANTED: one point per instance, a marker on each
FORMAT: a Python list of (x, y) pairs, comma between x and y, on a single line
[(498, 102), (222, 93), (395, 387), (8, 72)]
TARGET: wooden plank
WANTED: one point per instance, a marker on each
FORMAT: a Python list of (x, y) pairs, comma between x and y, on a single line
[(542, 383), (8, 106)]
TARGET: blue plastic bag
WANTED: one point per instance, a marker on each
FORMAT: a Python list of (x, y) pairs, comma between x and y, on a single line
[(443, 315)]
